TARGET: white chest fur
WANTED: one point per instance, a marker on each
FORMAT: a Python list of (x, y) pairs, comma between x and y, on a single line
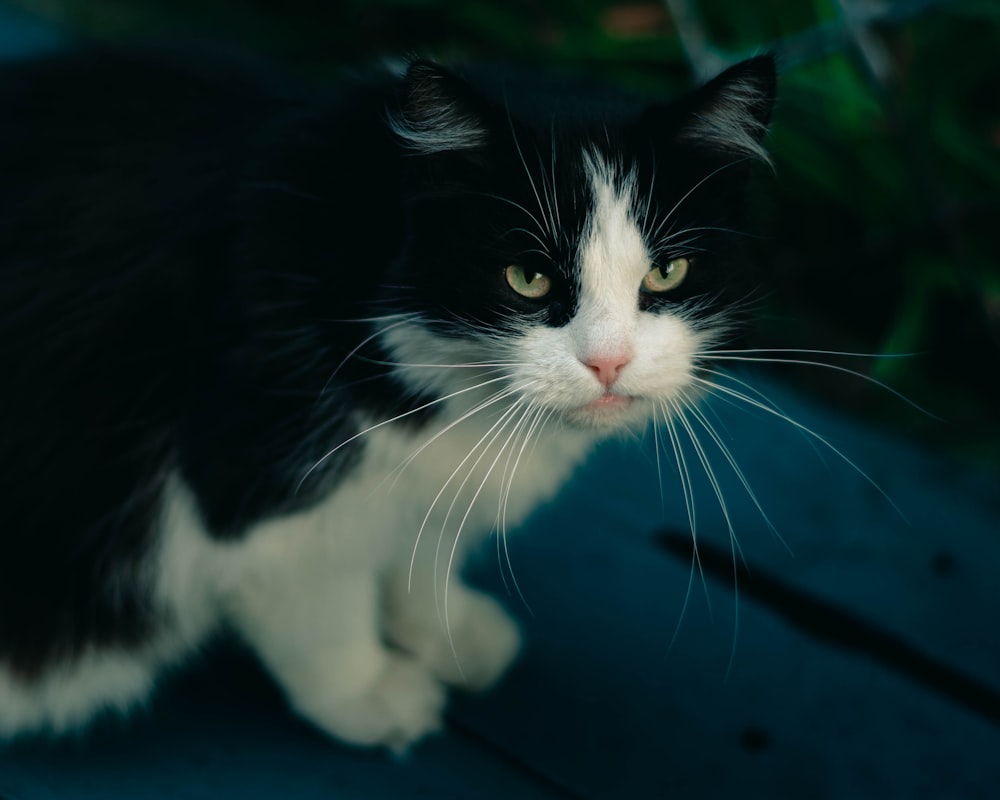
[(348, 603), (420, 497), (452, 480)]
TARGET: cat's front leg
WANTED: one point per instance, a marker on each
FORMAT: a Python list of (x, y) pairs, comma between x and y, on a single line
[(464, 636), (313, 621)]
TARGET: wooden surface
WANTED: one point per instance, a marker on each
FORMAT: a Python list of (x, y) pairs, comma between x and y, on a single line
[(857, 658)]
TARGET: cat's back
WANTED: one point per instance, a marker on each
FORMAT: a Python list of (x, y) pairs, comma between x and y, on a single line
[(110, 164), (130, 175), (91, 100), (119, 207), (107, 163), (100, 144)]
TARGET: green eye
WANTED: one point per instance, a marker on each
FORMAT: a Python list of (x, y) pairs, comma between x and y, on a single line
[(667, 277), (527, 282)]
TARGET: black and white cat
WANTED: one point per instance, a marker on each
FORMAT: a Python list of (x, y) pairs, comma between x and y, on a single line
[(273, 364)]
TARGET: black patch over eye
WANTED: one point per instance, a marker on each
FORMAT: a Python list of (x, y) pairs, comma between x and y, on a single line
[(558, 314)]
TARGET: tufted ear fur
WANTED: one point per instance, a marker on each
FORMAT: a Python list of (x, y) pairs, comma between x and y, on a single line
[(439, 112), (728, 115)]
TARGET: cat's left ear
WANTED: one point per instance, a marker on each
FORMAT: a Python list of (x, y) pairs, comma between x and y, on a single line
[(728, 116), (439, 112)]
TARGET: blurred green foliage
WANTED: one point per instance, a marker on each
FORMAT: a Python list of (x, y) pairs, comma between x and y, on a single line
[(882, 216)]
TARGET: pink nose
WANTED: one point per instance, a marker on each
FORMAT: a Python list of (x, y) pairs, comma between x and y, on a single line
[(607, 369)]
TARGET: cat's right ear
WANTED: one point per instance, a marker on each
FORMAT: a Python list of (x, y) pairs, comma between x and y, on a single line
[(439, 112), (728, 116)]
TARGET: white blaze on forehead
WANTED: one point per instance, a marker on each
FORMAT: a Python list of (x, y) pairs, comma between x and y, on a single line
[(613, 258)]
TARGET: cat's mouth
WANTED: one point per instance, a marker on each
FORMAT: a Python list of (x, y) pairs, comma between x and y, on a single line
[(609, 402), (607, 410)]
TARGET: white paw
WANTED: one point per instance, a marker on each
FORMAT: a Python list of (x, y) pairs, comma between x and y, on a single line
[(402, 705), (472, 652)]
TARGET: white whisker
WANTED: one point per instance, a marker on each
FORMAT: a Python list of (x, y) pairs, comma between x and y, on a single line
[(699, 415), (492, 366), (706, 466), (552, 169), (713, 228), (690, 191), (437, 497), (549, 201), (493, 399), (518, 206), (807, 351), (358, 347), (647, 218), (687, 488), (717, 387), (544, 245), (538, 423), (389, 421), (716, 356), (734, 545), (659, 466), (545, 231), (461, 525), (765, 399), (698, 185)]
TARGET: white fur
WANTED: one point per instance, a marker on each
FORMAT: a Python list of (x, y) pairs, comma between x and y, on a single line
[(68, 695), (317, 594)]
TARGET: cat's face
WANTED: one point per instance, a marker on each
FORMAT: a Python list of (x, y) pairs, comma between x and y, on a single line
[(577, 270)]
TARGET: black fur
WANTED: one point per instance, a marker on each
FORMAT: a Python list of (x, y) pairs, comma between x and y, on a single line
[(187, 258)]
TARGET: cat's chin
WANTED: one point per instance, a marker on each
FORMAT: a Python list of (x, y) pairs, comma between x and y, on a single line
[(609, 411)]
